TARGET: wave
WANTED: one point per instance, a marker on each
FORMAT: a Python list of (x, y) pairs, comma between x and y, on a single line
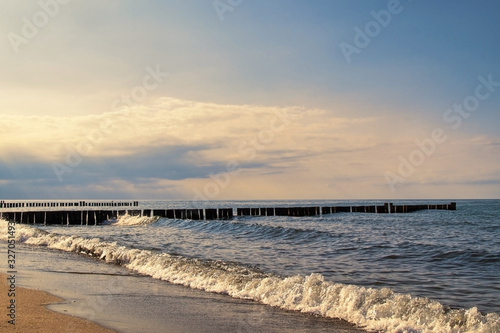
[(369, 308), (469, 255), (130, 220), (254, 230)]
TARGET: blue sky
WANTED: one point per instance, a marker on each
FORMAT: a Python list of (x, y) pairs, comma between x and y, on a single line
[(221, 90)]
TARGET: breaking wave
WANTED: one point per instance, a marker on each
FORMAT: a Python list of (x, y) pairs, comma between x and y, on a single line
[(371, 309), (130, 220)]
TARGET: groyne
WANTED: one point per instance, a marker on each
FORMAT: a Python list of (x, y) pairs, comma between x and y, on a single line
[(29, 204), (92, 215)]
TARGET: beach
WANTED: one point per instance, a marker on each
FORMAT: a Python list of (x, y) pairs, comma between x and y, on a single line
[(33, 316), (123, 301)]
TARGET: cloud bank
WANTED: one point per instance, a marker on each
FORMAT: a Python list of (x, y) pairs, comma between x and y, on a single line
[(179, 149)]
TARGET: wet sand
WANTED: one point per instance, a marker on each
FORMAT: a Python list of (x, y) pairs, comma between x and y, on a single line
[(31, 314), (115, 297)]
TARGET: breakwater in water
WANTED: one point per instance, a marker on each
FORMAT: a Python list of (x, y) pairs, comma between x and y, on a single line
[(84, 213), (33, 204)]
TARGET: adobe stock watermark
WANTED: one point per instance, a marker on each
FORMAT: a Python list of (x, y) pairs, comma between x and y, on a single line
[(223, 6), (248, 150), (372, 29), (31, 26), (74, 155), (453, 116), (255, 321), (139, 93), (90, 307)]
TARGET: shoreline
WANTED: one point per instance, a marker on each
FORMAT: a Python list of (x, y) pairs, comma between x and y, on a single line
[(121, 300), (33, 315)]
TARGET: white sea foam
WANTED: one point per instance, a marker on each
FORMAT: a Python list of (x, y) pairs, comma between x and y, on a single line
[(129, 220), (372, 309)]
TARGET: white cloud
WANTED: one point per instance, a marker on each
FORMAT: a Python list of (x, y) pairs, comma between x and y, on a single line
[(291, 152)]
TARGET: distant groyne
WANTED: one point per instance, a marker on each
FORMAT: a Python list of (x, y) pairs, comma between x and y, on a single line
[(94, 216), (28, 204)]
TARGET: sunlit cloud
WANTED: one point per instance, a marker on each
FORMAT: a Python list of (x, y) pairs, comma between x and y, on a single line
[(173, 147)]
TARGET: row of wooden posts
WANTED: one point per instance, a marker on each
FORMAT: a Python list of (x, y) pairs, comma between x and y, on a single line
[(74, 217), (93, 217), (312, 211), (29, 204)]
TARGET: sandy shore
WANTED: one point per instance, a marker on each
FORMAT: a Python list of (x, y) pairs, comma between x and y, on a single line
[(33, 316), (115, 297)]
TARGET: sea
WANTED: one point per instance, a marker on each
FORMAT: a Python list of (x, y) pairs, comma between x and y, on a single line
[(425, 271)]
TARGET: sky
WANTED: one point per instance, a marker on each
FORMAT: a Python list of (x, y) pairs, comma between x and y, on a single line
[(243, 100)]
